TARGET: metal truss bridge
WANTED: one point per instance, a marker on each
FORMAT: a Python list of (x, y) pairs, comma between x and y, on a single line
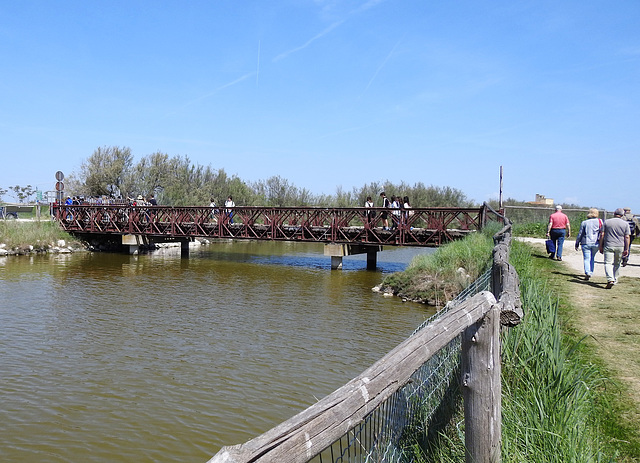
[(350, 225)]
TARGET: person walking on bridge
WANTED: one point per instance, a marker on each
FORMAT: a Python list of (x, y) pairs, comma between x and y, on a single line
[(558, 229), (229, 203), (370, 215), (384, 214), (616, 238)]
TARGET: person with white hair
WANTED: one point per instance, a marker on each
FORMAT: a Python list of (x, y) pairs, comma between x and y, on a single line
[(589, 238), (558, 229), (615, 245)]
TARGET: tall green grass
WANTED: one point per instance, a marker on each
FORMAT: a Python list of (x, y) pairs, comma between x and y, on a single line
[(40, 234), (549, 406), (554, 399), (437, 278)]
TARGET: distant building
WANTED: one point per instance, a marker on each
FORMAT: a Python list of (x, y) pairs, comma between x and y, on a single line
[(542, 200)]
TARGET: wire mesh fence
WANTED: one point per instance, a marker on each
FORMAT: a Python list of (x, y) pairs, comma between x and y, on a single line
[(415, 409), (538, 214)]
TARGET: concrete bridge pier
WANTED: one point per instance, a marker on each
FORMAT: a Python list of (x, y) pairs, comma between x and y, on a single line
[(338, 251), (184, 249), (133, 242)]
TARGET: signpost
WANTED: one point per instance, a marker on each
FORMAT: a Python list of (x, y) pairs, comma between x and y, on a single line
[(59, 187)]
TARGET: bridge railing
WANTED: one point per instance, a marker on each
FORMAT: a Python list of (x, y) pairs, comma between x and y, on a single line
[(418, 226), (402, 398)]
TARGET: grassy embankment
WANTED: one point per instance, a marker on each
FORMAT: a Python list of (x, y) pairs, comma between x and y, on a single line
[(560, 401), (437, 278), (42, 234)]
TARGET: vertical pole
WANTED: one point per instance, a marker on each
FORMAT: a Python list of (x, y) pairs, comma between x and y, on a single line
[(482, 389), (372, 259), (500, 202)]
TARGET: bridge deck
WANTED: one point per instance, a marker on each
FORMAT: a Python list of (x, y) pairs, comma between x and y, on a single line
[(416, 227)]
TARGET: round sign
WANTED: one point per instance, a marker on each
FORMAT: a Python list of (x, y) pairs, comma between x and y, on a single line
[(59, 176), (59, 186)]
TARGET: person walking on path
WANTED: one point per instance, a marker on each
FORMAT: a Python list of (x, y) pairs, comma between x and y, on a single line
[(616, 237), (634, 226), (558, 229), (588, 237)]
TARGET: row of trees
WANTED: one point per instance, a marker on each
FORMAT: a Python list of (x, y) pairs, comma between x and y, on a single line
[(21, 193), (176, 181)]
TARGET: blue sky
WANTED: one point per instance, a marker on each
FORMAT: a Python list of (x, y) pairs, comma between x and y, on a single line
[(331, 93)]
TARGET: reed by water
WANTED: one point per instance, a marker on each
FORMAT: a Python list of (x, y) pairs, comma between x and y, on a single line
[(438, 277), (38, 233)]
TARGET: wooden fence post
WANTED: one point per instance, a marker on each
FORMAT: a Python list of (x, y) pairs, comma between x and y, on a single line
[(482, 389)]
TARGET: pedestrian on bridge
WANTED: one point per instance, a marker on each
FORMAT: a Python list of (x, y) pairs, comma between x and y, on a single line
[(384, 215), (406, 213), (396, 205), (229, 203), (370, 214), (214, 210)]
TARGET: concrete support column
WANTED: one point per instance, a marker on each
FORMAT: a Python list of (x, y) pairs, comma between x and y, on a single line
[(132, 242), (184, 249), (372, 259), (338, 251)]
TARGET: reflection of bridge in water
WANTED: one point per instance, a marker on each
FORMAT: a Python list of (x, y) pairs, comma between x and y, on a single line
[(344, 231)]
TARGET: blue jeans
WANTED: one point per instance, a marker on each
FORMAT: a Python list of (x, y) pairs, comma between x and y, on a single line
[(557, 235), (589, 252)]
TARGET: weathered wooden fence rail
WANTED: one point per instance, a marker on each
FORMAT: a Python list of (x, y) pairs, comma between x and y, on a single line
[(476, 320)]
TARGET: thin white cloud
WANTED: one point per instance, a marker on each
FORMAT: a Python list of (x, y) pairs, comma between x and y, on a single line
[(380, 67), (284, 55), (348, 130), (368, 5), (217, 90), (227, 85), (364, 7)]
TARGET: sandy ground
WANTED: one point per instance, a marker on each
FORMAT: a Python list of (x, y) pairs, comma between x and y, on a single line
[(573, 259)]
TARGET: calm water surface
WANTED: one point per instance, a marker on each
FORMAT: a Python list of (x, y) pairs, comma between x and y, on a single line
[(154, 358)]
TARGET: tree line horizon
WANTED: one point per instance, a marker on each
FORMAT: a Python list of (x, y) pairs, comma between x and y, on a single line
[(175, 181)]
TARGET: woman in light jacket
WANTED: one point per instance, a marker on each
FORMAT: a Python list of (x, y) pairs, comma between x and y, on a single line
[(588, 237)]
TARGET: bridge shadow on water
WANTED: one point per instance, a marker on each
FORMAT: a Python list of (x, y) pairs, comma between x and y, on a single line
[(395, 260)]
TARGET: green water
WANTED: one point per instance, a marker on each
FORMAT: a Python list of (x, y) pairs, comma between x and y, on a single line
[(117, 358)]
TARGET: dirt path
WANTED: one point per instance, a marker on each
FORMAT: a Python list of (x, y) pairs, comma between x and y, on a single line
[(573, 259), (610, 317)]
